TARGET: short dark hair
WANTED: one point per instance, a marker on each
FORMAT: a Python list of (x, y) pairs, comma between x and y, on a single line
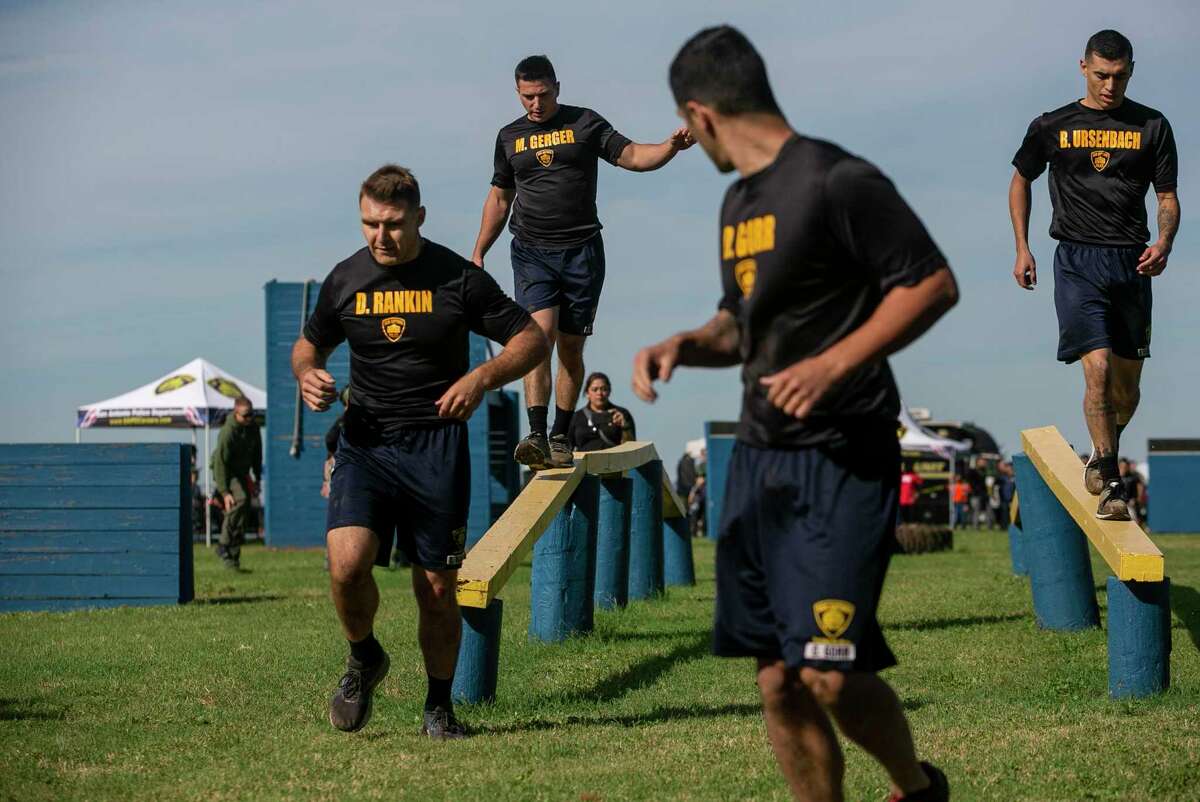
[(535, 68), (597, 375), (393, 185), (242, 402), (1109, 44), (720, 68)]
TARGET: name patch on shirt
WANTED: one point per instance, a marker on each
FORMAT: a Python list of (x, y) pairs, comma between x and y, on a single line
[(393, 302), (548, 140), (1100, 138)]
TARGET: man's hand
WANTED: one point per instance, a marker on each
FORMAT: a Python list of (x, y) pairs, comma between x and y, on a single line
[(654, 363), (318, 389), (477, 260), (1025, 270), (229, 501), (462, 397), (681, 138), (796, 389), (1153, 260)]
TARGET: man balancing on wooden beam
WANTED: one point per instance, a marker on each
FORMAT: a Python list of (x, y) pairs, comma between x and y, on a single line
[(545, 172), (825, 272), (1104, 152), (406, 306)]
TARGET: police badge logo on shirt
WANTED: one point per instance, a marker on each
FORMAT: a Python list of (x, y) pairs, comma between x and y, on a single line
[(833, 617), (393, 328)]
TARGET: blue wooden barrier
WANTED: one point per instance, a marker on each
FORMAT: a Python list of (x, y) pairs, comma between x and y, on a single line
[(1016, 550), (612, 543), (1174, 474), (1056, 554), (718, 445), (97, 525), (562, 585), (645, 532), (479, 654), (678, 567), (1139, 637)]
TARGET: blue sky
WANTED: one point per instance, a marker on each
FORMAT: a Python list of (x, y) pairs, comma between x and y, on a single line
[(161, 162)]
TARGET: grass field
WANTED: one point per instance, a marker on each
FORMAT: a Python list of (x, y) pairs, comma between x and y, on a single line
[(226, 698)]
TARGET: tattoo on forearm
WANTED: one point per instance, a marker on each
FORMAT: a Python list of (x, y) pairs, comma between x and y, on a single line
[(1168, 220)]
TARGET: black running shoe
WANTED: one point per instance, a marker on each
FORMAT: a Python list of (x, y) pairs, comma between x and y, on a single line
[(561, 455), (350, 707), (1093, 482), (533, 451), (441, 725), (938, 789), (1113, 505)]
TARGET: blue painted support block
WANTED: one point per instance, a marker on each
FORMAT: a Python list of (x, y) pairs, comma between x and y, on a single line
[(645, 532), (1056, 555), (479, 654), (612, 543), (1016, 550), (564, 566), (718, 444), (1139, 637), (678, 568)]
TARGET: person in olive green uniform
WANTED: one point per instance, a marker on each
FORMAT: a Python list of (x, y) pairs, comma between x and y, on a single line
[(238, 455)]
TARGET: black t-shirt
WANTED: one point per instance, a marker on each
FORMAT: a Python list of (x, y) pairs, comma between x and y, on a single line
[(585, 436), (407, 327), (1101, 164), (976, 482), (809, 246), (332, 435), (552, 165)]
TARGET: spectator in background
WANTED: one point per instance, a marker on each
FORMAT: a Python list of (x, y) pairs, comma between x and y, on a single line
[(237, 470), (910, 491), (977, 491), (1135, 489), (600, 423), (961, 492), (1006, 487)]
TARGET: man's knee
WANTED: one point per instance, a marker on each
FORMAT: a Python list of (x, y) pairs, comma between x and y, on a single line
[(826, 686), (570, 350), (437, 594)]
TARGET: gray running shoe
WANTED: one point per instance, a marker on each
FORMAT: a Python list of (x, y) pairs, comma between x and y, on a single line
[(441, 725), (1113, 506), (1092, 481), (561, 455), (533, 451), (350, 707)]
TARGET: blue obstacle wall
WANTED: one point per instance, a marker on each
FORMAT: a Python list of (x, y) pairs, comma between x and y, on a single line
[(295, 511), (718, 446), (97, 525), (1174, 473)]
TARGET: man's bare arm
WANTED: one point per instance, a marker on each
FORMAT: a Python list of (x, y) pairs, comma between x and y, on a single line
[(1153, 260), (1019, 203), (317, 387), (642, 158), (522, 353), (495, 213), (903, 315), (713, 345)]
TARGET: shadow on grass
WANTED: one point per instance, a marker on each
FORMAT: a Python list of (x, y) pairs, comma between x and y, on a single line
[(924, 624), (656, 716), (29, 710), (265, 597), (643, 673), (613, 637), (1185, 601)]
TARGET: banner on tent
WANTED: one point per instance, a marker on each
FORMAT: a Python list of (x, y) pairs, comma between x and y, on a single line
[(936, 472)]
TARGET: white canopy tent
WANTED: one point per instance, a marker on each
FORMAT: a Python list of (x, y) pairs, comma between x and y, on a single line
[(193, 396), (915, 437)]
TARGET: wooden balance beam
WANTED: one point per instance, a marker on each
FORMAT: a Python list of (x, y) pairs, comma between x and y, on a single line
[(493, 559), (1128, 551)]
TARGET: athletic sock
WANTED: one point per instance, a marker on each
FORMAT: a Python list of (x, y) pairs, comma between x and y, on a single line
[(1120, 429), (537, 419), (367, 651), (438, 695), (1109, 471), (562, 421)]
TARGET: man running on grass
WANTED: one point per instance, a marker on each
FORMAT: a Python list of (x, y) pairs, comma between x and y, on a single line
[(1104, 151), (406, 306), (545, 172), (825, 272)]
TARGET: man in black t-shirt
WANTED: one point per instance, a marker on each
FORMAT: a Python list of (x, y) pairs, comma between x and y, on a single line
[(545, 171), (825, 271), (406, 307), (1104, 152)]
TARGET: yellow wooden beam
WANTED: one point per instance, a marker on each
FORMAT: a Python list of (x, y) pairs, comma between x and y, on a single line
[(492, 560), (1123, 545)]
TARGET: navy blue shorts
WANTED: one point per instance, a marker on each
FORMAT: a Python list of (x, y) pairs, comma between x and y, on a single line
[(414, 489), (567, 279), (804, 543), (1101, 300)]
